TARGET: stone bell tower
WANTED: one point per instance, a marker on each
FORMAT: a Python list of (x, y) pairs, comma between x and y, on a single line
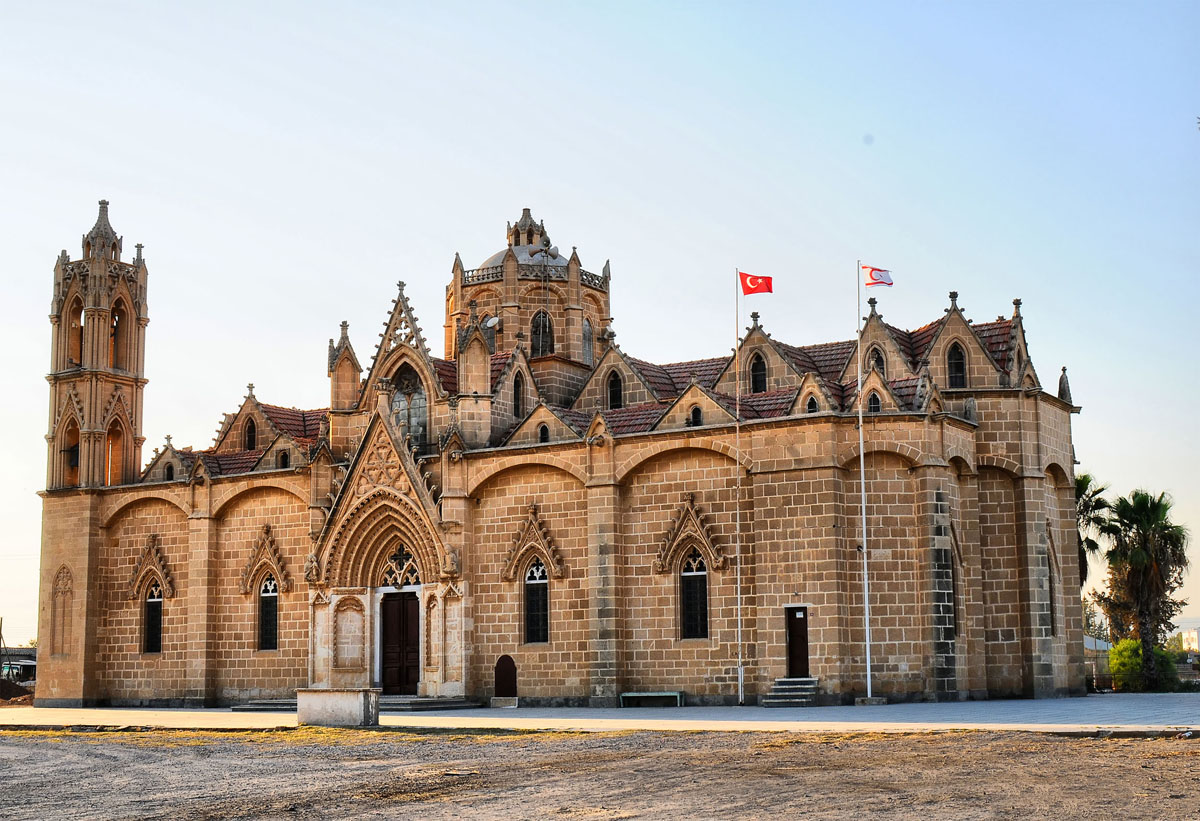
[(98, 318)]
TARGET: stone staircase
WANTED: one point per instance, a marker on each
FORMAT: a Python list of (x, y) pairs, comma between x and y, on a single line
[(387, 704), (791, 692)]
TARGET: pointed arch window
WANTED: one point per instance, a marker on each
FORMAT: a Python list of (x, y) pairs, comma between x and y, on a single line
[(519, 396), (283, 460), (616, 391), (537, 604), (758, 374), (114, 454), (695, 417), (693, 596), (543, 434), (874, 404), (812, 406), (250, 435), (268, 614), (589, 350), (70, 455), (118, 337), (152, 619), (169, 473), (75, 320), (956, 366), (877, 362), (410, 411), (542, 334)]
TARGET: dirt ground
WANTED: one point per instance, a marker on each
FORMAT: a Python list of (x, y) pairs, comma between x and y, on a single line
[(320, 773)]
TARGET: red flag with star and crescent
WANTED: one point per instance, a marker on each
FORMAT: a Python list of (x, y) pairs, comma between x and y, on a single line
[(752, 284)]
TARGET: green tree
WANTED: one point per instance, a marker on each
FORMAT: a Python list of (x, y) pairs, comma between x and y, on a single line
[(1090, 514), (1129, 673), (1146, 561)]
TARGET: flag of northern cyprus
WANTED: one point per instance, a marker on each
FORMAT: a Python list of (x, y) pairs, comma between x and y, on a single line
[(752, 284), (876, 276)]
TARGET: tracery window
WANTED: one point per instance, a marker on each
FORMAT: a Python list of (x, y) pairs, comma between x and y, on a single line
[(409, 408), (537, 604), (152, 619), (401, 570), (956, 366), (268, 614), (588, 343), (542, 334), (489, 331), (758, 374), (876, 360), (874, 405), (693, 597), (616, 391)]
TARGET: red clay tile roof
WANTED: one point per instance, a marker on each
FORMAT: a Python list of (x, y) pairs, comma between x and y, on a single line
[(905, 390), (634, 419), (228, 463), (304, 426), (499, 363), (705, 372), (670, 380), (577, 419), (996, 337), (656, 377), (765, 405), (447, 373), (828, 360)]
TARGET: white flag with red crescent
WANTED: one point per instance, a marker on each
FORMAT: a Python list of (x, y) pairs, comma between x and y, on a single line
[(876, 276)]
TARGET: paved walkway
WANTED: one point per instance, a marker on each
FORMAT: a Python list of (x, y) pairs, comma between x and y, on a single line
[(1124, 713)]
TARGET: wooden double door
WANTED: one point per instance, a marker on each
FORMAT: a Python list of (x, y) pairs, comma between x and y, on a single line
[(400, 640)]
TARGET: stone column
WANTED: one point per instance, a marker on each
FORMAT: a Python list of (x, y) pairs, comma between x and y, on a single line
[(200, 592), (603, 495), (1037, 645)]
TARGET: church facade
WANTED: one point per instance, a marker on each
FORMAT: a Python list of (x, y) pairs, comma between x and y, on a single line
[(539, 513)]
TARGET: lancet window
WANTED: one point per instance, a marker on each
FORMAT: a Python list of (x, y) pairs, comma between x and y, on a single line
[(693, 596), (537, 604)]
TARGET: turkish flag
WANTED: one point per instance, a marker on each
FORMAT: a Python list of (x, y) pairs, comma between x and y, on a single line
[(752, 284)]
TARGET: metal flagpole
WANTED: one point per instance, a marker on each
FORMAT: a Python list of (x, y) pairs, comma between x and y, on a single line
[(862, 476), (737, 469)]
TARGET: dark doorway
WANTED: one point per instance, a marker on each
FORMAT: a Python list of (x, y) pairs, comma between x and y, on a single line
[(506, 677), (797, 641), (401, 644)]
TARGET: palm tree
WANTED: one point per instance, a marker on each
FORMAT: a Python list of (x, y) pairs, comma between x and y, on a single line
[(1148, 557), (1090, 510)]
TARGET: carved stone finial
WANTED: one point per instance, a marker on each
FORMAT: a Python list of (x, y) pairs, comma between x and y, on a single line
[(250, 389), (400, 286), (345, 329), (1064, 387), (1016, 308), (872, 302), (138, 256), (754, 318), (169, 435), (954, 299)]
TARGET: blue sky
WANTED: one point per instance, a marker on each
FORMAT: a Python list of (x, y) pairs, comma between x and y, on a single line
[(286, 163)]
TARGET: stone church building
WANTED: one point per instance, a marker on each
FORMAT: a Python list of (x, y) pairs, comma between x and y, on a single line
[(538, 511)]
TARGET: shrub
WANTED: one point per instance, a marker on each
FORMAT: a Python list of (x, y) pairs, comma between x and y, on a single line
[(1125, 664)]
